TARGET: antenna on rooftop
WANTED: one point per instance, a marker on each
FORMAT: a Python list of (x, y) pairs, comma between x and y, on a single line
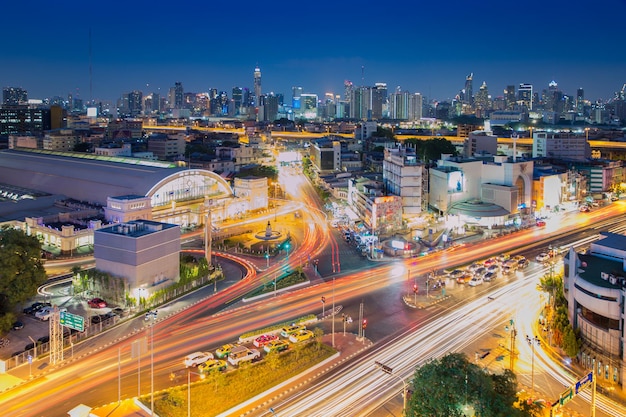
[(90, 73)]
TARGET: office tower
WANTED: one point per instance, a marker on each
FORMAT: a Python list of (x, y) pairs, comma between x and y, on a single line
[(509, 97), (237, 99), (378, 104), (176, 96), (135, 103), (296, 92), (468, 90), (399, 105), (14, 96), (270, 107), (416, 107), (156, 102), (257, 85), (482, 102), (553, 100), (348, 87), (525, 95), (580, 100), (360, 103), (308, 106)]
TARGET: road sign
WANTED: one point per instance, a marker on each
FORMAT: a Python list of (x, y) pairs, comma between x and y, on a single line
[(73, 321), (566, 396), (384, 368), (584, 382), (30, 359)]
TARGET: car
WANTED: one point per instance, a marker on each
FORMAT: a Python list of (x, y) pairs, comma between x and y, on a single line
[(541, 223), (35, 307), (224, 351), (473, 267), (98, 318), (45, 313), (479, 272), (489, 262), (212, 365), (542, 257), (120, 311), (614, 198), (456, 273), (18, 325), (276, 346), (464, 279), (503, 258), (301, 336), (197, 358), (523, 264), (583, 208), (519, 258), (493, 268), (289, 330), (264, 339), (490, 276), (475, 281), (43, 339), (511, 264), (97, 303)]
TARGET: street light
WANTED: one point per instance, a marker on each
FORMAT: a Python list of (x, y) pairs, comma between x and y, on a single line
[(152, 316), (189, 372), (323, 306), (389, 371), (532, 341)]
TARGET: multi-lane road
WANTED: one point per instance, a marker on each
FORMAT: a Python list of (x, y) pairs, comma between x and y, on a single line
[(104, 369)]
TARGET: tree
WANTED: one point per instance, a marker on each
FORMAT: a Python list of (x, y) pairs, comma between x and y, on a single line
[(21, 268), (446, 387)]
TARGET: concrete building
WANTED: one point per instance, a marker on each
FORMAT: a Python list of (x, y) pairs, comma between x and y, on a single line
[(125, 208), (480, 142), (63, 140), (594, 284), (251, 193), (143, 252), (561, 145), (381, 214), (167, 147), (406, 177)]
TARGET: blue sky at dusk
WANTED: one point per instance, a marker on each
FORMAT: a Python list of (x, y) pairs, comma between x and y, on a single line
[(426, 47)]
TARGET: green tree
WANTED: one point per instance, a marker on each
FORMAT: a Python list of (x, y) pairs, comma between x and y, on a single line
[(21, 269), (571, 341), (446, 387)]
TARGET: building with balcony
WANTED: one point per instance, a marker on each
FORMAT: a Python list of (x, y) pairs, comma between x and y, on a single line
[(594, 284), (406, 177)]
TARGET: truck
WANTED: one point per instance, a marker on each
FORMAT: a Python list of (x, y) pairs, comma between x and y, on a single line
[(242, 354)]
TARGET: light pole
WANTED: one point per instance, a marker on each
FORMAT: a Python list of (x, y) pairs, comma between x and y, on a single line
[(532, 341), (332, 314), (323, 306), (189, 389), (151, 315), (389, 371)]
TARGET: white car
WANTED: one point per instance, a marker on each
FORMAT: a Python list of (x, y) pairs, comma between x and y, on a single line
[(197, 358), (475, 281), (45, 313), (542, 257)]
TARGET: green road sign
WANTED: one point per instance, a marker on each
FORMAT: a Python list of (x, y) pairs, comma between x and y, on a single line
[(73, 321), (566, 396)]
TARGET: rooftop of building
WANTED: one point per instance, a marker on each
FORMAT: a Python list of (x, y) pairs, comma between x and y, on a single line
[(592, 267), (129, 197), (137, 228)]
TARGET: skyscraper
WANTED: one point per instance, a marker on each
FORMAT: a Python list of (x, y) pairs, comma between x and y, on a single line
[(257, 85), (525, 95), (468, 97), (14, 95), (580, 100), (378, 99), (176, 96), (509, 97)]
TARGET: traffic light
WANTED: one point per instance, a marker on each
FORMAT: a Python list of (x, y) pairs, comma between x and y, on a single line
[(323, 299), (364, 325), (415, 289)]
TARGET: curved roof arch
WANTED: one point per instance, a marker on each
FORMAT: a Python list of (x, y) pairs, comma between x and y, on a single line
[(186, 185)]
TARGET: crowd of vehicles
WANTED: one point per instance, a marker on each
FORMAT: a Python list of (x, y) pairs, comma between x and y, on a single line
[(488, 270), (237, 353)]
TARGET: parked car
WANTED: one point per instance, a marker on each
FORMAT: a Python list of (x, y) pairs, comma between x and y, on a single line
[(45, 313), (196, 358), (97, 303), (490, 276), (276, 346), (224, 351), (490, 262), (475, 281), (35, 307), (541, 223), (289, 330), (456, 273), (18, 325), (301, 336), (464, 279), (212, 365), (264, 339), (43, 339)]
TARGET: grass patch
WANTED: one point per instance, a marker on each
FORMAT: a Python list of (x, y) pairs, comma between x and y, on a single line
[(293, 278), (222, 391)]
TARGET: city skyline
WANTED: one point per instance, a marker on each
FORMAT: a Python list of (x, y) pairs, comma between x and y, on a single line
[(427, 49)]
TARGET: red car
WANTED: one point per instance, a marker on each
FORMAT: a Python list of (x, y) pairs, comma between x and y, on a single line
[(541, 223), (97, 303), (264, 339)]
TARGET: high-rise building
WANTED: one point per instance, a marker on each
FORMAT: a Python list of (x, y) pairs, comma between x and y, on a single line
[(309, 106), (378, 99), (468, 94), (237, 99), (257, 85), (580, 100), (482, 102), (525, 95), (416, 106), (270, 107), (348, 87), (399, 104), (509, 97), (296, 92), (176, 96), (14, 96)]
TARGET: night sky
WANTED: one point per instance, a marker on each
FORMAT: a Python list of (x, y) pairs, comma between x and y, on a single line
[(427, 47)]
